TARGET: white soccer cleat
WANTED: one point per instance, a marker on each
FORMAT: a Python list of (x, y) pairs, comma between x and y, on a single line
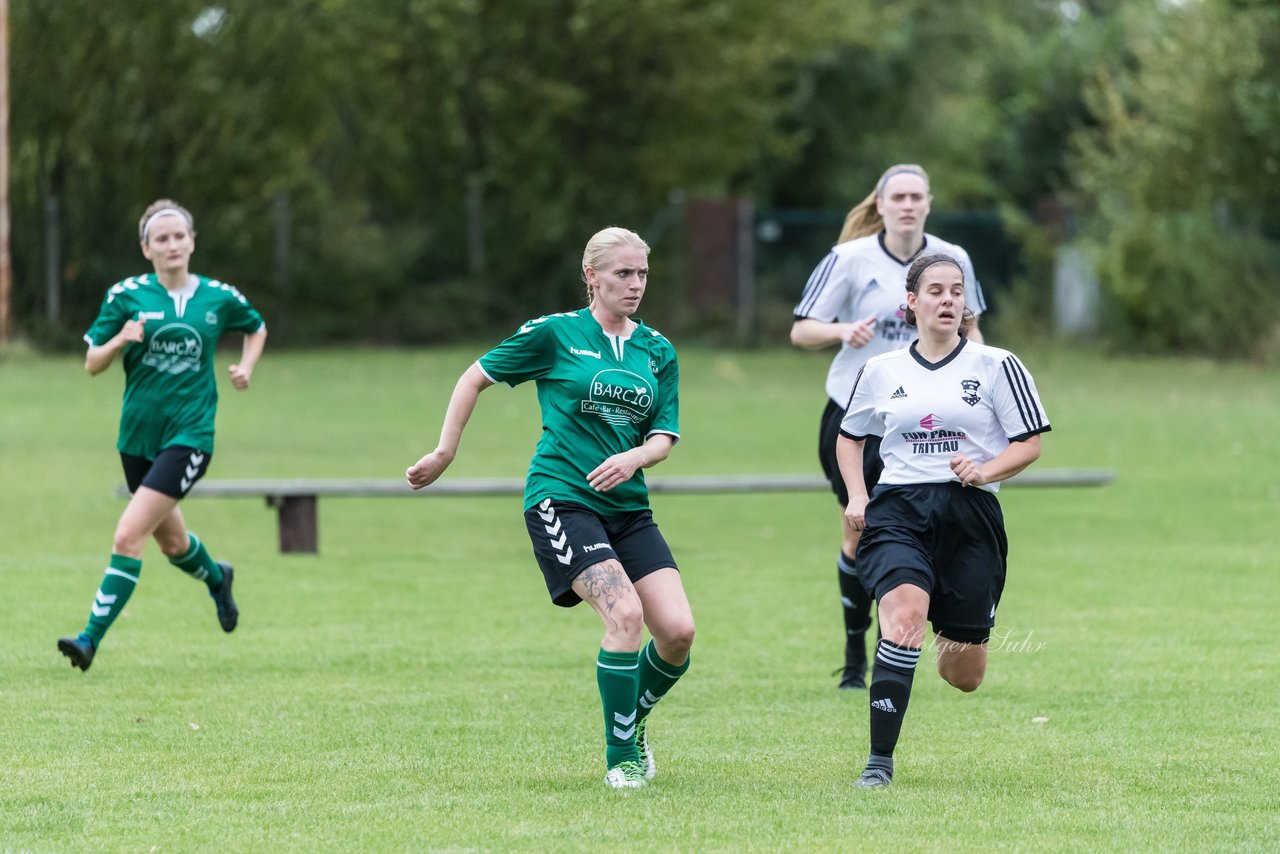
[(625, 775), (646, 753)]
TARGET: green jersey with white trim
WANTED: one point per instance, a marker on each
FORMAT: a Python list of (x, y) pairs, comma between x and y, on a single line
[(600, 395), (170, 391)]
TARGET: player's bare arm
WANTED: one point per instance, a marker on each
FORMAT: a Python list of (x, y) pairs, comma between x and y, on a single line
[(99, 358), (461, 404), (1003, 466), (620, 468)]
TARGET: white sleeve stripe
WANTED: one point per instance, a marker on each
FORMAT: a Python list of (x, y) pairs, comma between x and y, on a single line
[(817, 281), (1016, 375)]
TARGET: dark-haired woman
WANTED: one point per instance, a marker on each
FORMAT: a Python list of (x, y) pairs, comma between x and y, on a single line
[(954, 418)]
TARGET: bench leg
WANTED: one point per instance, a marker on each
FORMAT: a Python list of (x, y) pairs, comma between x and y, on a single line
[(297, 518)]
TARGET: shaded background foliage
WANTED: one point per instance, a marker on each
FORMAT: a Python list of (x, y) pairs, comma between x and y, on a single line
[(424, 170)]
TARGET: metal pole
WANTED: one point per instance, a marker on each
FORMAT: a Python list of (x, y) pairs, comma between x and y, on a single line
[(6, 269)]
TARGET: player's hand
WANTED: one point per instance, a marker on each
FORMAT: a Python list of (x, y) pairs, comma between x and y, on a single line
[(855, 515), (428, 469), (130, 333), (617, 469), (239, 376), (969, 472), (860, 333)]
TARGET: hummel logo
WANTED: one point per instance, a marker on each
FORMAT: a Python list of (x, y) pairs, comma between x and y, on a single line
[(901, 392), (885, 705), (102, 603), (618, 731), (575, 351)]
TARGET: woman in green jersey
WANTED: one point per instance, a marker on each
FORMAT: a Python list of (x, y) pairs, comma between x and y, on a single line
[(608, 388), (165, 325)]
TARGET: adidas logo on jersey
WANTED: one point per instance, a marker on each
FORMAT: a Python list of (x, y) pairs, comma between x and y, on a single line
[(885, 705), (901, 392)]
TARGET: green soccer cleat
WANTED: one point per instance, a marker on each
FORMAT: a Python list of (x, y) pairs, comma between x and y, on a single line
[(228, 613), (646, 754), (625, 775), (79, 649)]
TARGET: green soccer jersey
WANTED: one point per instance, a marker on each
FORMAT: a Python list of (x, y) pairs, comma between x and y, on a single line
[(600, 395), (170, 391)]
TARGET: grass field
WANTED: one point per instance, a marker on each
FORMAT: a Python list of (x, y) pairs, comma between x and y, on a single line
[(411, 687)]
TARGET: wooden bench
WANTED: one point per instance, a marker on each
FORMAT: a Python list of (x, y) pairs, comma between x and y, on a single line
[(295, 500)]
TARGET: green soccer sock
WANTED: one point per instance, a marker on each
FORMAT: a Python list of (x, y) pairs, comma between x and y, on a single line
[(198, 564), (616, 676), (118, 581), (656, 677)]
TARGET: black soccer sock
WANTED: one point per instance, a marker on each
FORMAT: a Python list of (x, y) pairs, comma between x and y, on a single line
[(890, 690), (857, 605)]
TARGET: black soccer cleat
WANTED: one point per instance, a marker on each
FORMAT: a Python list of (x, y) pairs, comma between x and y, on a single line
[(228, 613), (79, 649), (853, 676)]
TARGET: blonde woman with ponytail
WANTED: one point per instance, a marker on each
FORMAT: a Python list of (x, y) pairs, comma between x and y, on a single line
[(855, 300)]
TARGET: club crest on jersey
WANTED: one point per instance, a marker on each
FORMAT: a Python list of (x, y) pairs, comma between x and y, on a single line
[(174, 349), (970, 395), (211, 318), (619, 397)]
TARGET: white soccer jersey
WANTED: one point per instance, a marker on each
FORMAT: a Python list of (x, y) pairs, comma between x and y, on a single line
[(974, 402), (859, 278)]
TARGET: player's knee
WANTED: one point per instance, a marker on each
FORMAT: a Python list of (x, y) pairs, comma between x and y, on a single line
[(678, 639), (967, 679), (627, 621), (173, 545), (128, 543), (966, 682)]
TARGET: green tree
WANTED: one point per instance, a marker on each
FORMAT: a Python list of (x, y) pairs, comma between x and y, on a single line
[(1180, 178)]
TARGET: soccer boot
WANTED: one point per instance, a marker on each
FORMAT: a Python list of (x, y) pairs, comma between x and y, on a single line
[(853, 676), (874, 778), (646, 753), (79, 649), (228, 613), (625, 775)]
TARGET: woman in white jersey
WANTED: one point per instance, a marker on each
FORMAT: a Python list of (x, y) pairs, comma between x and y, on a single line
[(164, 326), (955, 418), (854, 299), (608, 386)]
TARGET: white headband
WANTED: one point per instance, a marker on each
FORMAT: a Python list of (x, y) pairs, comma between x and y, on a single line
[(146, 226)]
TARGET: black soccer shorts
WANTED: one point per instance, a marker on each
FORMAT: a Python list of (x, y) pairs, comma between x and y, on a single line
[(567, 538), (948, 540), (174, 470)]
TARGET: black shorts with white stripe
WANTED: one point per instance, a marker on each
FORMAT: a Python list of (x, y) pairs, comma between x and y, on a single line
[(567, 538), (174, 470)]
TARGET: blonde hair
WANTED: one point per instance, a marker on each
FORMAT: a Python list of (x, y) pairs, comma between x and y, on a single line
[(601, 246), (864, 219), (163, 207)]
